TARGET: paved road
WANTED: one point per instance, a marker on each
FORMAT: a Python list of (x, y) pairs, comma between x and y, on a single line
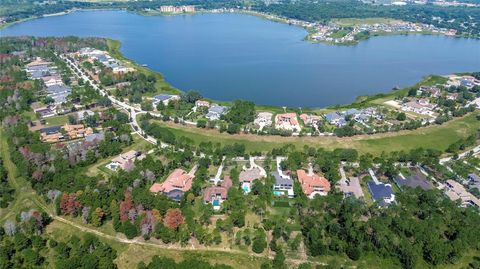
[(475, 151)]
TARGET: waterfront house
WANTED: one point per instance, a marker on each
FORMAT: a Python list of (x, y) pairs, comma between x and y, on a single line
[(433, 91), (382, 193), (334, 118), (176, 184), (310, 119), (216, 195), (420, 106), (287, 121), (164, 98), (312, 184), (202, 103), (263, 119), (456, 192), (215, 112)]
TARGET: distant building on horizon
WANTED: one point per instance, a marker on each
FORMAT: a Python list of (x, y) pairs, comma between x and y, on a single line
[(179, 9)]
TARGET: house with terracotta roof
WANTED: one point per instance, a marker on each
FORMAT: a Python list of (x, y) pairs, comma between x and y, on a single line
[(310, 119), (51, 134), (216, 195), (287, 121), (313, 184), (176, 184), (77, 130), (202, 103)]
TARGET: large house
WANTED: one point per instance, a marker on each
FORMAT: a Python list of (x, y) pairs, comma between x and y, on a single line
[(382, 193), (310, 119), (334, 118), (287, 121), (420, 106), (202, 103), (164, 98), (125, 161), (215, 112), (51, 134), (247, 176), (77, 130), (215, 195), (58, 93), (312, 184), (176, 184), (283, 185), (263, 119), (433, 91), (456, 192)]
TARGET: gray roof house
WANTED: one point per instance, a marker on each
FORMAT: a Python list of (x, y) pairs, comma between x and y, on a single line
[(164, 98), (333, 116), (59, 93), (381, 193), (352, 111), (415, 181), (283, 185), (474, 181), (215, 111)]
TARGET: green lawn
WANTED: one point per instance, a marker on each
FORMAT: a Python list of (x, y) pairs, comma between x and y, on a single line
[(57, 120), (432, 137)]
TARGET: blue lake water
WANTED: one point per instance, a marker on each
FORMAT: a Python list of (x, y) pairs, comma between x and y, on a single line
[(230, 56)]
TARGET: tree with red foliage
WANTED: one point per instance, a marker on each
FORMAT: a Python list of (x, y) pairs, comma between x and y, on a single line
[(69, 204), (125, 206), (173, 218)]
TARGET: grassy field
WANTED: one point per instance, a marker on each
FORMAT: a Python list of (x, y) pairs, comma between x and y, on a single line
[(433, 137)]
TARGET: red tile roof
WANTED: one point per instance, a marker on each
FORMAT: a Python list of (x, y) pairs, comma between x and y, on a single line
[(311, 182), (178, 179)]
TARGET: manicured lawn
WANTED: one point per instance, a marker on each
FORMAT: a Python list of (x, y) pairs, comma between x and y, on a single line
[(432, 137), (57, 120)]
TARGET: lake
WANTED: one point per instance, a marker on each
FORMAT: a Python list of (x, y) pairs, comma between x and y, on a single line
[(231, 56)]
